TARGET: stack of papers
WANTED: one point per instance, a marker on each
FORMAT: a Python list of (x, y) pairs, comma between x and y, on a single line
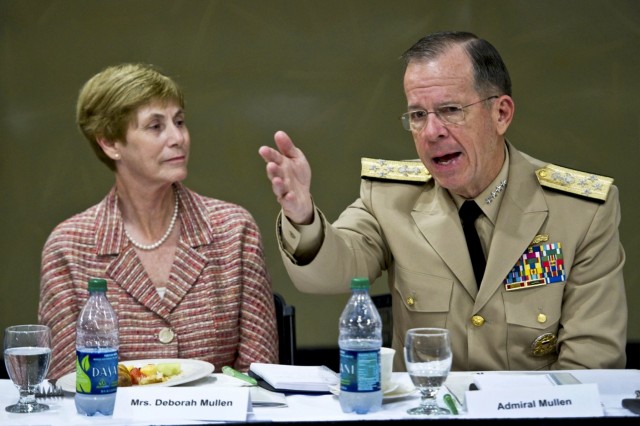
[(295, 378), (485, 381)]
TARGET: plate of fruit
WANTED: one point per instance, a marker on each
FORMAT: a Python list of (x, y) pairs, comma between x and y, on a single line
[(151, 372)]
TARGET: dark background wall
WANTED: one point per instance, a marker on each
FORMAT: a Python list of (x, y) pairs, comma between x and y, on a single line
[(325, 71)]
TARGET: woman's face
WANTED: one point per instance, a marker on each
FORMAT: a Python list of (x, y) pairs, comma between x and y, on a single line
[(157, 146)]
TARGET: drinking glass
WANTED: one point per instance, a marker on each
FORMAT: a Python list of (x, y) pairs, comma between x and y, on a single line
[(27, 352), (427, 355)]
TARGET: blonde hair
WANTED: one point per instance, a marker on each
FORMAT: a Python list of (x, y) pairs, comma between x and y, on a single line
[(109, 100)]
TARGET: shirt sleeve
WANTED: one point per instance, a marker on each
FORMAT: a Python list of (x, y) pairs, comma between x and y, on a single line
[(258, 327), (594, 308), (58, 308), (301, 243)]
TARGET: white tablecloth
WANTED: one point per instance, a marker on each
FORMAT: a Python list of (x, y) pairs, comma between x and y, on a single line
[(613, 385)]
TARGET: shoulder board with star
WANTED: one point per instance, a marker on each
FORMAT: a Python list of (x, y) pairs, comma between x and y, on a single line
[(575, 182), (399, 171)]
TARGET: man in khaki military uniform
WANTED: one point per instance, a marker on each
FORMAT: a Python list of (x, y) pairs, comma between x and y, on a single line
[(551, 295)]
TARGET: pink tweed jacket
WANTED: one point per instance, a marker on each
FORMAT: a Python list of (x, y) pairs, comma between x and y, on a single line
[(218, 302)]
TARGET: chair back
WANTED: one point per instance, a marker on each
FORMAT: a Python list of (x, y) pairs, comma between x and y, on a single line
[(286, 319)]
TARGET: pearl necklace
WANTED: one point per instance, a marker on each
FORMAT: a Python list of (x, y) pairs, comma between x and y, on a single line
[(164, 237)]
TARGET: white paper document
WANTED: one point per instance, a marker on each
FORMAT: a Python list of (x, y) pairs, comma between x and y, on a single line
[(495, 380), (296, 377)]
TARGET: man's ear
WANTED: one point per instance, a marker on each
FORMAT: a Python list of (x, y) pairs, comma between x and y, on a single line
[(110, 148), (505, 108)]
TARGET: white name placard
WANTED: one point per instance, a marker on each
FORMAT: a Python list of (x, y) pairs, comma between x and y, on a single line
[(186, 403), (536, 401)]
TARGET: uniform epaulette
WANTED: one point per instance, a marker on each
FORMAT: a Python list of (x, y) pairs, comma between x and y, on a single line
[(575, 182), (406, 171)]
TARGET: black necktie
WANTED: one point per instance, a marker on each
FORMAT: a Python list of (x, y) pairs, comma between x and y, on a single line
[(469, 212)]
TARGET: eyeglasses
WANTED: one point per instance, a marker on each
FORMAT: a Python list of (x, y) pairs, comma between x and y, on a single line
[(448, 114)]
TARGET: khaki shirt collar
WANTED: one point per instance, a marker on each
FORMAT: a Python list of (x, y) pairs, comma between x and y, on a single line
[(490, 199)]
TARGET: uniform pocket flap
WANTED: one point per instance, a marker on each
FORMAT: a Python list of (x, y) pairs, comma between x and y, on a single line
[(534, 307), (422, 292)]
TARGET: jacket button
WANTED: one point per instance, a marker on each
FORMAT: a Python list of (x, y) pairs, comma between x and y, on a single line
[(410, 301), (542, 318), (477, 320), (166, 335)]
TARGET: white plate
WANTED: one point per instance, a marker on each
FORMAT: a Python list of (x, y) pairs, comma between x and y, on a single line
[(396, 390), (192, 369)]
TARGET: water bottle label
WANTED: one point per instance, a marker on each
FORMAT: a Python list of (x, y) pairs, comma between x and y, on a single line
[(359, 371), (96, 372)]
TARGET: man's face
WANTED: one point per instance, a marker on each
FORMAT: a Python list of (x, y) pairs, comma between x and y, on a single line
[(463, 158)]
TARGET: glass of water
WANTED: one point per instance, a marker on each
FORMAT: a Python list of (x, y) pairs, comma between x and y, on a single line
[(427, 355), (27, 352)]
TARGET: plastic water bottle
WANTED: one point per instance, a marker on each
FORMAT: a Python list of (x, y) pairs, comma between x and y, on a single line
[(97, 353), (360, 341)]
